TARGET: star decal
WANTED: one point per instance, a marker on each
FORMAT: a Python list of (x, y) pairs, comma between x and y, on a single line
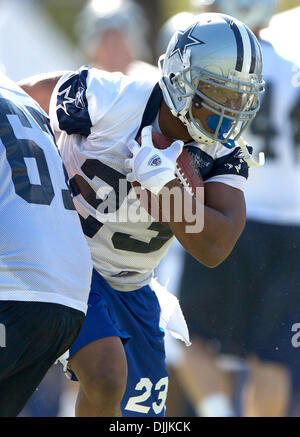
[(63, 99), (184, 40)]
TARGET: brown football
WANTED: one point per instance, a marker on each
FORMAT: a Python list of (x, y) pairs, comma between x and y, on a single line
[(186, 172)]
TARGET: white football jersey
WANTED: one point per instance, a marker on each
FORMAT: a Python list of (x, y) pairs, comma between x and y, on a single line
[(273, 191), (44, 256), (94, 114)]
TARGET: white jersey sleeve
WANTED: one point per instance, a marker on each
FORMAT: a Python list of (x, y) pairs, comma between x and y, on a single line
[(97, 104), (44, 256), (78, 103), (218, 163)]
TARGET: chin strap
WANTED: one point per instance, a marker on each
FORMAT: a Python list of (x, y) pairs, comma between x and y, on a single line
[(248, 157)]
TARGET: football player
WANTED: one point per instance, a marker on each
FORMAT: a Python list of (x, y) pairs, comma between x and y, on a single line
[(45, 264), (250, 303), (207, 95)]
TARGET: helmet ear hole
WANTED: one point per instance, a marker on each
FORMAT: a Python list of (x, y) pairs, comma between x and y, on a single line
[(171, 77), (197, 101)]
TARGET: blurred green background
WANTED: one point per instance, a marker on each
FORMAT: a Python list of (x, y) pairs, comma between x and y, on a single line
[(64, 12)]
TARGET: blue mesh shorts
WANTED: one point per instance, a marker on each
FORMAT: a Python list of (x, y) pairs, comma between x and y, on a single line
[(134, 317)]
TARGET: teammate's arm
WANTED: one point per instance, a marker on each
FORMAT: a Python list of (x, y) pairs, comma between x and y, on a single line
[(224, 220), (41, 86)]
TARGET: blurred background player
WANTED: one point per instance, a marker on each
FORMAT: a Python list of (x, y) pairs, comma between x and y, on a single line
[(246, 307), (113, 36)]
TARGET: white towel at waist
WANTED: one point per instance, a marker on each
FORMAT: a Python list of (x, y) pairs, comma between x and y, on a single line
[(171, 316)]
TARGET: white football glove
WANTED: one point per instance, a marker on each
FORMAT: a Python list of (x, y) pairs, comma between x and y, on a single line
[(152, 168)]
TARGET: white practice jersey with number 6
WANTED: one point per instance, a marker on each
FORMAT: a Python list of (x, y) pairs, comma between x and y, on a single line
[(94, 114), (44, 256)]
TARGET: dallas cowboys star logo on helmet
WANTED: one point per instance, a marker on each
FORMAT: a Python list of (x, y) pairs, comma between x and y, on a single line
[(184, 40)]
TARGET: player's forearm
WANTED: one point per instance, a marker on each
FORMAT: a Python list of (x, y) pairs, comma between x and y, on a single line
[(210, 237), (41, 86), (213, 244)]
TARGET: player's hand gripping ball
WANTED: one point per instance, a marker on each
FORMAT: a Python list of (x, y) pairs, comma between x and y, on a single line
[(156, 161)]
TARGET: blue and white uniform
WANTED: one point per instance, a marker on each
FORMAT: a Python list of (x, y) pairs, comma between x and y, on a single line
[(94, 114)]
